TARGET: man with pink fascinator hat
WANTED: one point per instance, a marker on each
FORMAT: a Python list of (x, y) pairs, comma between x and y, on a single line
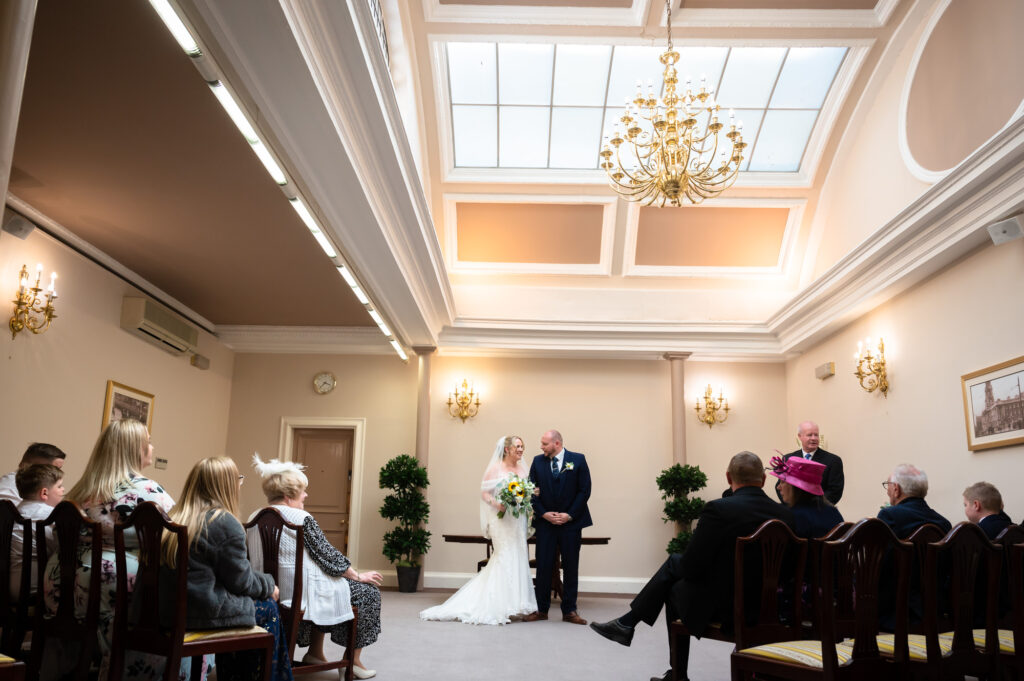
[(800, 488)]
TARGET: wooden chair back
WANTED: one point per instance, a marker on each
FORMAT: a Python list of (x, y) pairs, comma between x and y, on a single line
[(142, 628), (270, 525), (14, 614), (781, 557), (920, 539), (1010, 536), (971, 559), (1012, 661), (812, 575), (74, 534), (852, 569)]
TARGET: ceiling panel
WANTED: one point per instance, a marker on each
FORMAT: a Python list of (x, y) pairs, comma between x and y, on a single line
[(710, 236), (529, 232)]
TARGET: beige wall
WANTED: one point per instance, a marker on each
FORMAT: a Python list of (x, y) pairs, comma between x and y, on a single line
[(54, 384), (966, 318), (380, 389)]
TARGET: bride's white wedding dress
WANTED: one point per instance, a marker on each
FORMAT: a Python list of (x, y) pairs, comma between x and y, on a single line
[(504, 588)]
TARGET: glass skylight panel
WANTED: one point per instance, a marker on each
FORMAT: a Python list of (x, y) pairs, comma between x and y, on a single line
[(783, 138), (581, 74), (749, 76), (806, 77), (701, 61), (575, 134), (631, 63), (523, 138), (475, 130), (524, 73), (472, 70), (751, 120)]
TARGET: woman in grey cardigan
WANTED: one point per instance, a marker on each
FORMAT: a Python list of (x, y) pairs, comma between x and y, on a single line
[(223, 589)]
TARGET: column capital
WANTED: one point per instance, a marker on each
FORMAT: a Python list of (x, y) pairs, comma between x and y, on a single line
[(676, 355), (424, 349)]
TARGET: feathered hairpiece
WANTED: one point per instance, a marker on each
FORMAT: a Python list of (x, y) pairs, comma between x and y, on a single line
[(778, 464), (272, 467)]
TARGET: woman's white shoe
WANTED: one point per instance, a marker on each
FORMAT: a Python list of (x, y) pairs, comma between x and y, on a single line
[(361, 673), (309, 658)]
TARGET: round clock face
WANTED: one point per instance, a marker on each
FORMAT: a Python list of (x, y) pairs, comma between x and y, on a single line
[(324, 382)]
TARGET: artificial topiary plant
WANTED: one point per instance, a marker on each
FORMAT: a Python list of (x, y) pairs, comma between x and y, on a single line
[(676, 483), (405, 477)]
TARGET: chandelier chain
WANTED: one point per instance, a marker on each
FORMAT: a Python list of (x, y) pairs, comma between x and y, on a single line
[(668, 14)]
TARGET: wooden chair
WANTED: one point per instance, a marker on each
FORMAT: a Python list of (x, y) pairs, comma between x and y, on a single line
[(1007, 654), (778, 557), (920, 539), (70, 528), (269, 524), (141, 629), (812, 616), (851, 568), (14, 616), (11, 669)]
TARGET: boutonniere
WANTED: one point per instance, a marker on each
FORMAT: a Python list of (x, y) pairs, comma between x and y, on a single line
[(569, 466)]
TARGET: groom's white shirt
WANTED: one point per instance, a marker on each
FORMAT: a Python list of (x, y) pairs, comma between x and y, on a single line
[(558, 457)]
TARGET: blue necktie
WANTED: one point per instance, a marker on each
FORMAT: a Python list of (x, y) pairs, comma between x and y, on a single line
[(808, 456), (554, 467)]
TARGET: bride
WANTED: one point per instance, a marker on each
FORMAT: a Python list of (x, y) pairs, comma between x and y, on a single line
[(504, 588)]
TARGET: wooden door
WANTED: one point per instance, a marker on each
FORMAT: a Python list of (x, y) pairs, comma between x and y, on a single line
[(327, 454)]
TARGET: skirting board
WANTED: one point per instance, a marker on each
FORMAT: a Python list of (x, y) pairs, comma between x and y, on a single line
[(454, 580)]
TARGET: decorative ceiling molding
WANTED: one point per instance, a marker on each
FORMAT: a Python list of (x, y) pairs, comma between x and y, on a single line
[(451, 237), (781, 270), (784, 18), (309, 340), (512, 13)]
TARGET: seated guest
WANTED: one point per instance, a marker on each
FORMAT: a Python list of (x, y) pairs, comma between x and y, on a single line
[(983, 506), (109, 490), (332, 587), (223, 589), (41, 487), (37, 452), (697, 586), (800, 487), (906, 489)]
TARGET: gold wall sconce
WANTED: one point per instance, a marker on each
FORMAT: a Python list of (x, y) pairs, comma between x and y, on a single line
[(871, 367), (29, 311), (713, 410), (464, 403)]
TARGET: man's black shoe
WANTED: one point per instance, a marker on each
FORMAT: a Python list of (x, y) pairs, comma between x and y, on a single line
[(667, 676), (613, 631)]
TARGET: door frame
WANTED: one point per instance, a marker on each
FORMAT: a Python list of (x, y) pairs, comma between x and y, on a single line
[(358, 427)]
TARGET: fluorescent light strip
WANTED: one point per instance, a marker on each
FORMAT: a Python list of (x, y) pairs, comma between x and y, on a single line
[(347, 276), (360, 295), (269, 163), (307, 218), (375, 316), (235, 112), (400, 351), (177, 28)]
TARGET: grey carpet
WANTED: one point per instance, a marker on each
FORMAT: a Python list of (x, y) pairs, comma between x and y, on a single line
[(410, 648)]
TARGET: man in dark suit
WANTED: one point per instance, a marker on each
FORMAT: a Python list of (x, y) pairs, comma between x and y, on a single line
[(907, 510), (833, 481), (983, 506), (697, 586), (560, 514)]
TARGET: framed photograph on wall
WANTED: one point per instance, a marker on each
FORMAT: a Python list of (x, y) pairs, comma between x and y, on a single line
[(994, 405), (124, 402)]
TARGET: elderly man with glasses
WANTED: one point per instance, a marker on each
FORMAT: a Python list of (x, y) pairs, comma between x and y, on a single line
[(907, 509)]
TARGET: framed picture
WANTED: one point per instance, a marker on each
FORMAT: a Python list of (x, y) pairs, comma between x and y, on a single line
[(994, 405), (124, 402)]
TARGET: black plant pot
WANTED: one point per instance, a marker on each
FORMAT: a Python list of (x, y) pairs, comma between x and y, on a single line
[(408, 578)]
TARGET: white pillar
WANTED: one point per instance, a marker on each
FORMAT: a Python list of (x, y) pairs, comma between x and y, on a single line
[(423, 403), (16, 20), (675, 361)]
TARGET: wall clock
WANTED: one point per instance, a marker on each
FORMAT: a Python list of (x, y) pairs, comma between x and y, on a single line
[(324, 382)]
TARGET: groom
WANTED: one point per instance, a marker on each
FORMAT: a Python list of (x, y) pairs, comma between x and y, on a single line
[(560, 515)]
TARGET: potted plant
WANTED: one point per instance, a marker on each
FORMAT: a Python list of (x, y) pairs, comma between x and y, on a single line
[(676, 483), (404, 544)]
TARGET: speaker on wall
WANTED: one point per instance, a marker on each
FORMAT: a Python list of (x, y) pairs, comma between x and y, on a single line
[(18, 226), (1007, 230)]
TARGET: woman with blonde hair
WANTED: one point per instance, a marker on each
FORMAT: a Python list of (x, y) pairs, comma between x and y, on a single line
[(109, 490), (331, 586), (223, 589)]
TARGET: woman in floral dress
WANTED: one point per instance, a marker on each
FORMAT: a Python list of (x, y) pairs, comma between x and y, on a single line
[(110, 489)]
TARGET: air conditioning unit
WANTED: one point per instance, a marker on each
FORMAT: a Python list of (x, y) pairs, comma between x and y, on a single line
[(149, 321)]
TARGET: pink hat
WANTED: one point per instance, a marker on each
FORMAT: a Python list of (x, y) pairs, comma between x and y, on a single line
[(799, 472)]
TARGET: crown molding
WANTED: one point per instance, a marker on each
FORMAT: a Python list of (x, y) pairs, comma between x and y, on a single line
[(515, 13), (784, 18), (307, 340)]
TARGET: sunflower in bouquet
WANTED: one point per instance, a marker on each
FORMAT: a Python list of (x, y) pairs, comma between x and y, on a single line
[(515, 494)]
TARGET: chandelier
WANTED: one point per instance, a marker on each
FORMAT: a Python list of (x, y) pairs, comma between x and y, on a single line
[(670, 144)]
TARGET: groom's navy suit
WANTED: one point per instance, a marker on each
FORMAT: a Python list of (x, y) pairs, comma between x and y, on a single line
[(566, 492)]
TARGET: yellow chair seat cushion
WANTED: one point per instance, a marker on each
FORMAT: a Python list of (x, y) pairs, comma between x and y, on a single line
[(806, 653), (1005, 640), (8, 660), (193, 636), (917, 645)]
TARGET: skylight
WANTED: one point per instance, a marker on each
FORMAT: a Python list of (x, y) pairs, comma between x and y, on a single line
[(542, 105)]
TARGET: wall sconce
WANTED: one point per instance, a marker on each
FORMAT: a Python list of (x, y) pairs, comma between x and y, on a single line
[(871, 367), (464, 402), (29, 311), (714, 411)]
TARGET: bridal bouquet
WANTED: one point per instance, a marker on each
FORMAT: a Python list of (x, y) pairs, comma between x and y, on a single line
[(515, 494)]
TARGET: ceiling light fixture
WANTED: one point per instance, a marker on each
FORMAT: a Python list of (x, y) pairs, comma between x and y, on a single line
[(177, 28), (313, 227), (671, 142), (241, 122)]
